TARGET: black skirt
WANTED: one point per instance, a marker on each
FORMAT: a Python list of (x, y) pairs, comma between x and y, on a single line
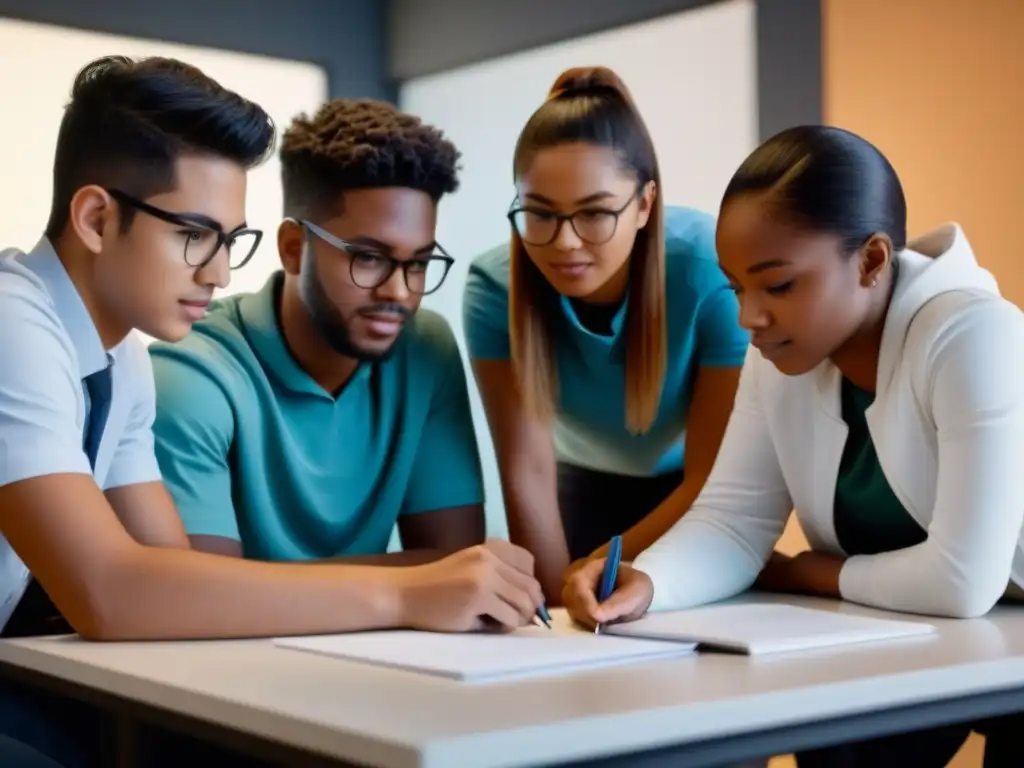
[(596, 506)]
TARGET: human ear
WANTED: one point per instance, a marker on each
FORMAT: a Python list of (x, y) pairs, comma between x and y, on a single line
[(91, 213), (648, 196), (875, 257), (290, 241)]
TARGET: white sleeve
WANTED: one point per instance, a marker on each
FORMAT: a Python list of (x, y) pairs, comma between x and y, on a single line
[(134, 459), (40, 419), (975, 395), (719, 547)]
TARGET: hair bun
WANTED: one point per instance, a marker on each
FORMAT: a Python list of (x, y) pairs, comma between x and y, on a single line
[(584, 80)]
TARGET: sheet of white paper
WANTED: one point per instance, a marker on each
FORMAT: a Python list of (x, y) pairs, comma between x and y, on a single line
[(488, 657), (766, 628)]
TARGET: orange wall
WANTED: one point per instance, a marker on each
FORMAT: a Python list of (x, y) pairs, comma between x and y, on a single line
[(938, 86)]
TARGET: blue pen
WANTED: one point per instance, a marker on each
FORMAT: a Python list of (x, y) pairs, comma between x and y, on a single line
[(611, 572), (543, 615)]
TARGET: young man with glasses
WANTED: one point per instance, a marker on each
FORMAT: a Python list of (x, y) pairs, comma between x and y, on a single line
[(303, 421), (147, 219)]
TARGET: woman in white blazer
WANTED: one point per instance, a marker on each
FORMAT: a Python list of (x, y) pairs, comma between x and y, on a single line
[(883, 401)]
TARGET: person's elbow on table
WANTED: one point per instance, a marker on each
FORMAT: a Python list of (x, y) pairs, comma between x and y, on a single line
[(630, 600)]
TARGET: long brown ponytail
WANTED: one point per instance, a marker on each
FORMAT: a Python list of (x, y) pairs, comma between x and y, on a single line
[(593, 105)]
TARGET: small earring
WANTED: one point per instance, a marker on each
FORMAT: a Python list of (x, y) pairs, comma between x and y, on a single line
[(874, 282)]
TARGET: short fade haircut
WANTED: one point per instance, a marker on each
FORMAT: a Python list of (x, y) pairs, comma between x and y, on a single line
[(128, 122), (361, 144)]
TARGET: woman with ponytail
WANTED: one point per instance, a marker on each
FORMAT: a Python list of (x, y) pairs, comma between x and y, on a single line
[(604, 338)]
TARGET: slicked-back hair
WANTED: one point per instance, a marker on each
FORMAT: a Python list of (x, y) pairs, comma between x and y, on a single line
[(826, 179), (360, 144), (129, 120)]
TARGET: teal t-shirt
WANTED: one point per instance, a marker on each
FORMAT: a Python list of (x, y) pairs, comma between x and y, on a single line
[(703, 330), (253, 449), (868, 517)]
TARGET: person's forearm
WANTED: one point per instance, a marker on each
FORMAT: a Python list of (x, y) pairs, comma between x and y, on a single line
[(534, 523), (808, 573), (180, 594), (389, 559), (822, 577), (551, 558), (776, 576)]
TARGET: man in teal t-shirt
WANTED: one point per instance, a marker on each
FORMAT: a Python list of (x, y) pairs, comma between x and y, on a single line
[(305, 420)]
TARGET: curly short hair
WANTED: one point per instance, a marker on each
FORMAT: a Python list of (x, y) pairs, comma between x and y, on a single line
[(359, 144)]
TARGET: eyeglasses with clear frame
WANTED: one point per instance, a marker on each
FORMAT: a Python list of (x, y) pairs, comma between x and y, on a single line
[(540, 226), (204, 237), (369, 268)]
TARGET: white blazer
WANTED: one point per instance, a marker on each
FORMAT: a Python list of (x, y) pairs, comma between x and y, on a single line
[(947, 424)]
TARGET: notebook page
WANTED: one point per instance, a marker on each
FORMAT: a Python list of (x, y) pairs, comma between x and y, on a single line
[(767, 628), (479, 657)]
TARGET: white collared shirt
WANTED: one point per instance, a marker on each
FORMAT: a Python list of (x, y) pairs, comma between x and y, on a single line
[(48, 345)]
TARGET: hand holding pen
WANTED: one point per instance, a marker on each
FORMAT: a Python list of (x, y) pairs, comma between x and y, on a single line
[(606, 590), (607, 585), (488, 586)]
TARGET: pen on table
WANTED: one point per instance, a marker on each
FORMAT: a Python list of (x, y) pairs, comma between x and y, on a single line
[(543, 615), (611, 572)]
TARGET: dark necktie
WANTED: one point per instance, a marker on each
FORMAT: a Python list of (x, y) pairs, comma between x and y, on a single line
[(100, 386), (35, 613)]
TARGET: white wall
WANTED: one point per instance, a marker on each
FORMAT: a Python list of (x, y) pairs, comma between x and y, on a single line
[(46, 59), (693, 76)]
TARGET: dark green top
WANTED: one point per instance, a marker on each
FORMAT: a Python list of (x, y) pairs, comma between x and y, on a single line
[(868, 517)]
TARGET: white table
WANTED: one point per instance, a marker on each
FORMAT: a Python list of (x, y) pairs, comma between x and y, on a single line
[(703, 710)]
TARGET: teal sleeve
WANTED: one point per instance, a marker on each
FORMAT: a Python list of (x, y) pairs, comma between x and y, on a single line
[(485, 316), (446, 471), (721, 340), (194, 429)]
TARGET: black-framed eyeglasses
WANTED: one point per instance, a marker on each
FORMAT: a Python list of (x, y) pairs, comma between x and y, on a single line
[(203, 236), (369, 268), (540, 226)]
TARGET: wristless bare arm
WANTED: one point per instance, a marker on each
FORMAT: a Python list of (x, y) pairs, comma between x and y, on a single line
[(526, 461), (112, 586)]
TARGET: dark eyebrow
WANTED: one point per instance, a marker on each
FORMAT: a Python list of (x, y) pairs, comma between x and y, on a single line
[(202, 220), (370, 242), (762, 266), (594, 198)]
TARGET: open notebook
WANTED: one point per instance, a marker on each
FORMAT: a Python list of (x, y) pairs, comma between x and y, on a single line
[(760, 628), (480, 657)]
